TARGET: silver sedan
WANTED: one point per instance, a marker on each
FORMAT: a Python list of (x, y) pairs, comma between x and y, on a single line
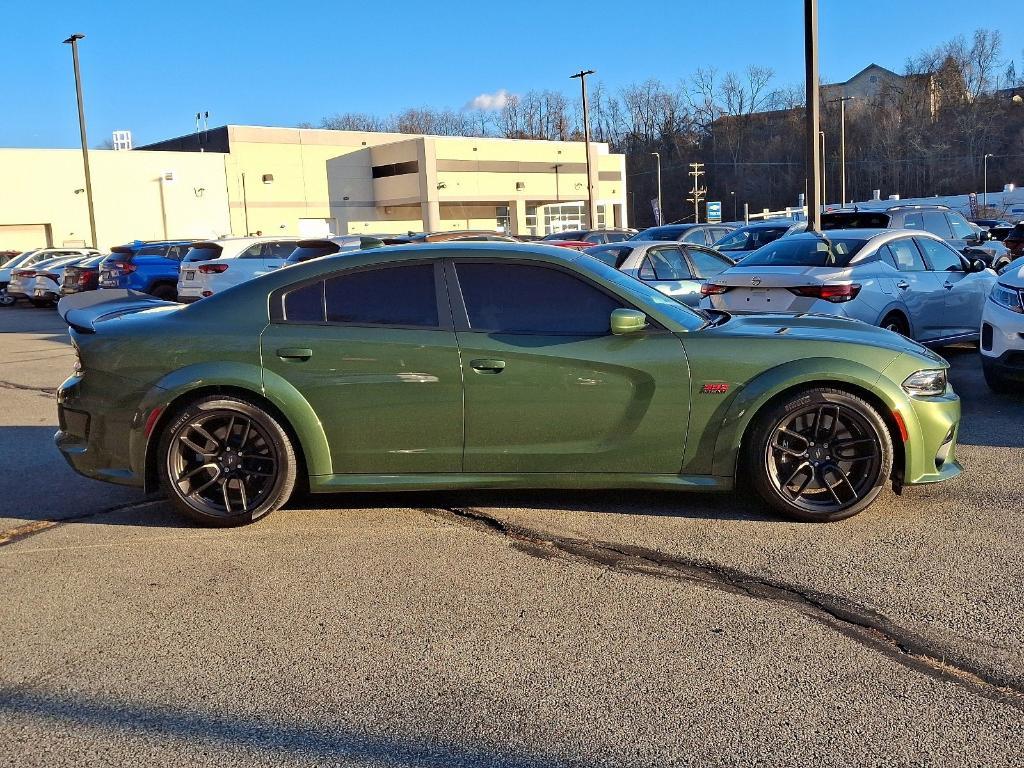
[(676, 269), (908, 281)]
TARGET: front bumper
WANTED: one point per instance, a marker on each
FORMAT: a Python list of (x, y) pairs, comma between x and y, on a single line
[(930, 449), (1002, 332)]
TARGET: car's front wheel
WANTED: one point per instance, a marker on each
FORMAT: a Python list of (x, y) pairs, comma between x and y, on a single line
[(819, 455), (223, 461)]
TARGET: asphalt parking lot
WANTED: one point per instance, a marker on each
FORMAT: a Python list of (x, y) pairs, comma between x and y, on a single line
[(513, 629)]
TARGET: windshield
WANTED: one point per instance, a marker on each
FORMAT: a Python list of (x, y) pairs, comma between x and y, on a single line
[(751, 238), (308, 252), (690, 319), (203, 252), (806, 252), (855, 220)]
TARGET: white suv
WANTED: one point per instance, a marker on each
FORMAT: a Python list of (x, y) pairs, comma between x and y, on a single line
[(212, 266), (1002, 331)]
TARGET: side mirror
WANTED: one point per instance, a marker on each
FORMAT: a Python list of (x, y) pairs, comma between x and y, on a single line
[(984, 235), (627, 321), (978, 265)]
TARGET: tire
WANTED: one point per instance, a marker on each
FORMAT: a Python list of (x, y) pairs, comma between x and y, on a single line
[(795, 463), (6, 300), (996, 381), (165, 292), (1000, 265), (896, 323), (244, 464)]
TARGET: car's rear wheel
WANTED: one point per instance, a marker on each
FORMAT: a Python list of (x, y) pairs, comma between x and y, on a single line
[(224, 461), (6, 300), (897, 324), (819, 455)]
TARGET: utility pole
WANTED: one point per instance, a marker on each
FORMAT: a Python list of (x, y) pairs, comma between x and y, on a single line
[(698, 192), (984, 190), (824, 189), (73, 42), (842, 144), (661, 208), (591, 201), (813, 116)]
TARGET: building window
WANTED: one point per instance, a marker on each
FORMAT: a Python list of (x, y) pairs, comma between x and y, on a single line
[(395, 169), (502, 219), (531, 219)]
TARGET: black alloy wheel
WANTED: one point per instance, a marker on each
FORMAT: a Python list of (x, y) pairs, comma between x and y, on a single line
[(820, 455), (226, 462)]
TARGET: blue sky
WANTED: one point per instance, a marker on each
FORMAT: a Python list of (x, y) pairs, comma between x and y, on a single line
[(150, 66)]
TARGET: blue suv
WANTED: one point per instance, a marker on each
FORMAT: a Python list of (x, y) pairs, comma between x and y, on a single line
[(147, 266)]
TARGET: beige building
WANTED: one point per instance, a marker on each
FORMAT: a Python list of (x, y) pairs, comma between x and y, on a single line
[(243, 179)]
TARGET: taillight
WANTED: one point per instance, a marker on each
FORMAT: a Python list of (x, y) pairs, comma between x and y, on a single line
[(835, 293), (24, 273), (212, 269), (710, 289), (121, 266)]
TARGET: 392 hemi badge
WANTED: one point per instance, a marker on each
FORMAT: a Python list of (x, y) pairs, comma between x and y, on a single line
[(716, 388)]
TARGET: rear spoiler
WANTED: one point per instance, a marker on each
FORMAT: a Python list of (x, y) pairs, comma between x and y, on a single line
[(81, 311)]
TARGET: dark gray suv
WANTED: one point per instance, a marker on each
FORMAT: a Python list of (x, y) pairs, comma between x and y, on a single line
[(940, 220)]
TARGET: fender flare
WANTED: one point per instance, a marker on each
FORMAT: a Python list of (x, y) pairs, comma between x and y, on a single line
[(896, 306), (816, 371), (294, 408)]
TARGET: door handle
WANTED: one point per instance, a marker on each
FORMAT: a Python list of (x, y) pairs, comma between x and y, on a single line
[(948, 285), (487, 366), (295, 353), (903, 285)]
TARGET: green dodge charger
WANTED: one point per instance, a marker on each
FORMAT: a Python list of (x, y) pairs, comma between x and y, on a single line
[(484, 365)]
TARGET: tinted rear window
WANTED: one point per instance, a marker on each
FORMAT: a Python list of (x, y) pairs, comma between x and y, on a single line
[(855, 220), (203, 253), (307, 252), (660, 233), (151, 250), (805, 252), (612, 255)]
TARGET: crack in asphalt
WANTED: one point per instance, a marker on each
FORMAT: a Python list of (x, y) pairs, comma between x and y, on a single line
[(34, 528), (49, 391), (861, 624)]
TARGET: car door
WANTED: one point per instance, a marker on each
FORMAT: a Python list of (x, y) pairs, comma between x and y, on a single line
[(373, 352), (549, 388), (917, 289), (666, 269), (965, 293)]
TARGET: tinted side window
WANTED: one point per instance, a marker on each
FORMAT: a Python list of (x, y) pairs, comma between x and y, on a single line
[(305, 304), (886, 255), (279, 250), (961, 229), (913, 220), (940, 256), (706, 264), (695, 235), (908, 258), (665, 264), (935, 222), (252, 252), (615, 237), (522, 298), (388, 296)]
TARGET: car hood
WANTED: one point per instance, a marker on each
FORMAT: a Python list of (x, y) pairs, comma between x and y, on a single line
[(820, 328), (1013, 275)]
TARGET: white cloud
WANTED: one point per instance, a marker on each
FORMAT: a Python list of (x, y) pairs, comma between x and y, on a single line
[(490, 102)]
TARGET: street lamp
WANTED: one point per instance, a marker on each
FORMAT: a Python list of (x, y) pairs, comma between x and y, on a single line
[(813, 167), (73, 42), (661, 211), (591, 202), (842, 143), (984, 163)]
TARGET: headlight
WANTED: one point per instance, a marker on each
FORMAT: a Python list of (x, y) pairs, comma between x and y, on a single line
[(926, 383), (1007, 297)]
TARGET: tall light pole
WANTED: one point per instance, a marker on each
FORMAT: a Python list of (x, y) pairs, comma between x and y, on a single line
[(813, 168), (984, 162), (73, 42), (661, 210), (824, 189), (842, 144), (591, 202)]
